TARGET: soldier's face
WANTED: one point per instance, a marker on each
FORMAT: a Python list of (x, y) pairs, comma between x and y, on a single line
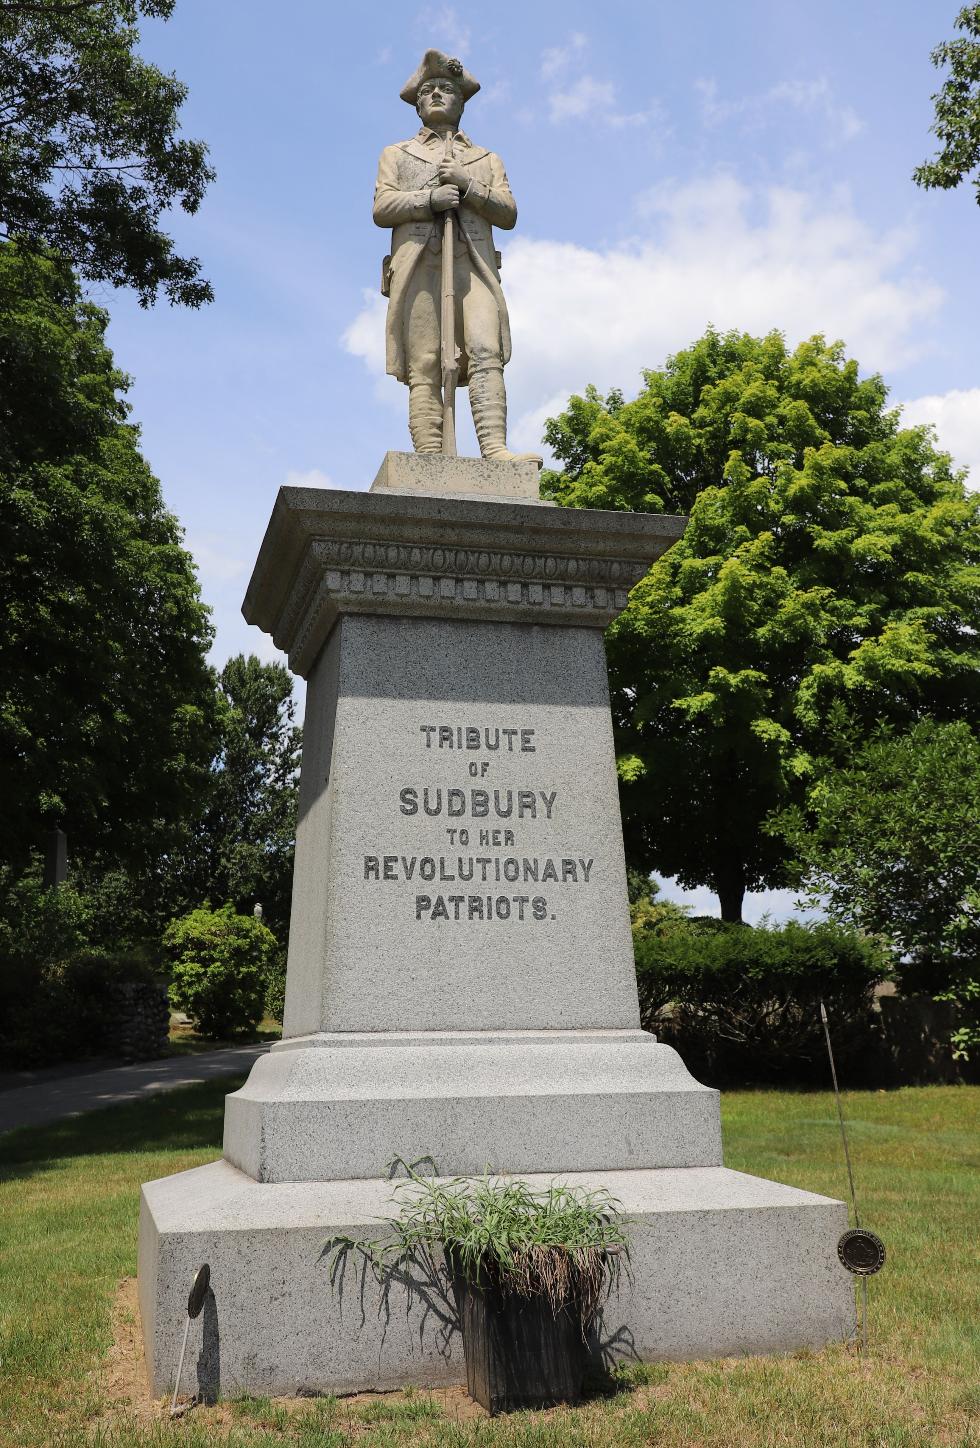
[(439, 102)]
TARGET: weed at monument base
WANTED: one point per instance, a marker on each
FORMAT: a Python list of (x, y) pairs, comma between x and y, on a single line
[(528, 1270)]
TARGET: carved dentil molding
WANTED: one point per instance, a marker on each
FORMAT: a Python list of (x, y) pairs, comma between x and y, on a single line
[(354, 575), (329, 552)]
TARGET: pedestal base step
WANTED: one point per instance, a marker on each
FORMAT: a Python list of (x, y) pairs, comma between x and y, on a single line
[(723, 1264), (340, 1106)]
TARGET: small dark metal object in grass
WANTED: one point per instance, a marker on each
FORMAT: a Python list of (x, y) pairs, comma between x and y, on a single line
[(862, 1252), (197, 1294), (195, 1301)]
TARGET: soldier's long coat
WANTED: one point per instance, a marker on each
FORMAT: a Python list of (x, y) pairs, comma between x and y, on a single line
[(407, 172)]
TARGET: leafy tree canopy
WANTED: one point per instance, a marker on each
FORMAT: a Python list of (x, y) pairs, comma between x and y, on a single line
[(957, 109), (240, 847), (828, 580), (106, 701), (892, 845), (90, 151)]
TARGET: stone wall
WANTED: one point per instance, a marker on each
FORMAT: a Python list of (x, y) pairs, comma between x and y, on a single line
[(138, 1022)]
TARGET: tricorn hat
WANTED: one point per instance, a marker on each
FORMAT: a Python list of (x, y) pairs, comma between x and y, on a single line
[(437, 62)]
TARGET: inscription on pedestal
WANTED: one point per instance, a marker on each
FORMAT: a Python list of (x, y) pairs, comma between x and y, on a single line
[(487, 866), (459, 834)]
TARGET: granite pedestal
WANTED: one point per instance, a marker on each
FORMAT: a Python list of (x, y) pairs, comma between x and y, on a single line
[(460, 981)]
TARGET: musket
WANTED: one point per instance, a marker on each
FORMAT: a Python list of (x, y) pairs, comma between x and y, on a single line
[(450, 354)]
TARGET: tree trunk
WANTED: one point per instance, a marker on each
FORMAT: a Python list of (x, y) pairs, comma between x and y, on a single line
[(731, 892)]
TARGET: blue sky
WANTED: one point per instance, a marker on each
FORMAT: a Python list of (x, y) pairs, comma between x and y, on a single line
[(747, 165)]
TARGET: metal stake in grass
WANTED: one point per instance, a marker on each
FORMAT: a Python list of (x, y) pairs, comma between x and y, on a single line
[(195, 1301), (861, 1252)]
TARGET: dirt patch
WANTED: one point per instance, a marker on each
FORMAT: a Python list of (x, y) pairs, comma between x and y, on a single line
[(124, 1378), (125, 1391)]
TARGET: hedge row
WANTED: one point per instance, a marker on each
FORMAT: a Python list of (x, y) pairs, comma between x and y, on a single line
[(742, 1004)]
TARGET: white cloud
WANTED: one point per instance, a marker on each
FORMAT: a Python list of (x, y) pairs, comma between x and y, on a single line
[(557, 59), (724, 254), (582, 97), (713, 111), (956, 418), (214, 564), (234, 636), (495, 93), (655, 114), (222, 578), (816, 97), (595, 99), (443, 29), (311, 478), (365, 337), (719, 252)]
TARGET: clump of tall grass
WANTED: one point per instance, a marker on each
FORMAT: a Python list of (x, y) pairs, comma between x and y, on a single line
[(565, 1244)]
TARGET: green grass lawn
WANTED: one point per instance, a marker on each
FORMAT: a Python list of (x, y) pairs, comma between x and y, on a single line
[(68, 1211), (184, 1040)]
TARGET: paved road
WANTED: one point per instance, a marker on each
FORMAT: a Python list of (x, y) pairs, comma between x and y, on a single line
[(59, 1095)]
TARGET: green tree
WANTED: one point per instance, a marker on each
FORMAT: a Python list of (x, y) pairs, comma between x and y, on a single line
[(957, 109), (90, 155), (106, 701), (892, 844), (221, 966), (240, 847), (827, 581), (63, 953), (650, 910)]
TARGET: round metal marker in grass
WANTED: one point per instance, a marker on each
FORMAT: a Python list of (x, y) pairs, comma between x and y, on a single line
[(862, 1252)]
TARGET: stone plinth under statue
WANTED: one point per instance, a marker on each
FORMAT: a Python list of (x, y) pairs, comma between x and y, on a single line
[(460, 981)]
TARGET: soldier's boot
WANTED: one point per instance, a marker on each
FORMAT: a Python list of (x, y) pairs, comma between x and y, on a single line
[(488, 400), (425, 416)]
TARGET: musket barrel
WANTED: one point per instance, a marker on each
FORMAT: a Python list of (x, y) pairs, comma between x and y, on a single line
[(450, 368)]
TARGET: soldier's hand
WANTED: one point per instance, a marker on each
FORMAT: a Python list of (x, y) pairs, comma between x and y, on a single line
[(451, 173), (445, 198)]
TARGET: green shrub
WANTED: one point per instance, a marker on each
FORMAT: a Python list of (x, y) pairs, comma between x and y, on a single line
[(741, 1003), (221, 967), (650, 912), (56, 989), (565, 1244), (275, 990)]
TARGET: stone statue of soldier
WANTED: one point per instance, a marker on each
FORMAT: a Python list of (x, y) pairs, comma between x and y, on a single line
[(417, 184)]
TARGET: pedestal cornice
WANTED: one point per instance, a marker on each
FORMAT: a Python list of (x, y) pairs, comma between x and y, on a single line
[(328, 552)]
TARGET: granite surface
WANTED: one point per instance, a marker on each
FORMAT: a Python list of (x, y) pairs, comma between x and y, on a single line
[(723, 1264), (459, 854), (460, 979), (344, 1106), (435, 475), (327, 554)]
